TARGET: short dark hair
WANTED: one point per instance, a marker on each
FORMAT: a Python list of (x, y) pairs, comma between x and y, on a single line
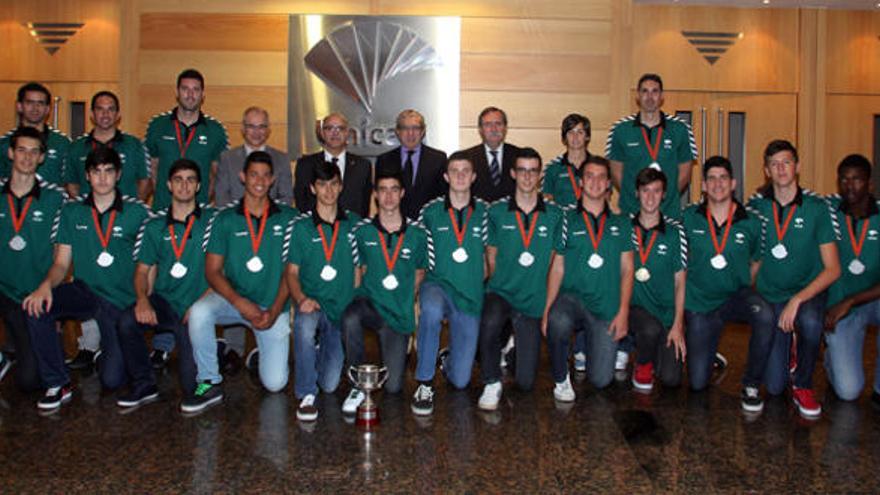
[(572, 120), (489, 110), (458, 156), (27, 132), (648, 175), (388, 174), (597, 160), (856, 161), (258, 157), (191, 74), (185, 164), (717, 162), (101, 156), (325, 171), (528, 154), (650, 77), (33, 86), (106, 93), (776, 146)]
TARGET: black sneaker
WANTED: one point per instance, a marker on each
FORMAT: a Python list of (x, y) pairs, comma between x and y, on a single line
[(875, 399), (55, 396), (206, 395), (252, 362), (423, 400), (306, 411), (442, 357), (84, 359), (158, 359), (5, 365), (751, 400), (719, 362), (135, 398)]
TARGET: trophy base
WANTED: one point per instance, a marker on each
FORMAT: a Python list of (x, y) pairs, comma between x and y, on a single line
[(367, 418)]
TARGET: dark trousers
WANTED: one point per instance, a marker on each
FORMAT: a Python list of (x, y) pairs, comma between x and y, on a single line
[(136, 354), (25, 372), (809, 328), (497, 312), (650, 336), (361, 315), (569, 316), (76, 301)]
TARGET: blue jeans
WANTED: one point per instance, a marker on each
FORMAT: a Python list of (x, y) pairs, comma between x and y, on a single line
[(273, 342), (809, 327), (361, 315), (568, 315), (497, 312), (704, 332), (316, 366), (74, 300), (464, 330), (843, 352)]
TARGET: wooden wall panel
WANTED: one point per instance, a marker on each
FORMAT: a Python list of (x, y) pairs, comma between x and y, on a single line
[(216, 32), (228, 68), (523, 112), (257, 6), (545, 141), (853, 52), (575, 37), (226, 103), (559, 9), (539, 73), (849, 128)]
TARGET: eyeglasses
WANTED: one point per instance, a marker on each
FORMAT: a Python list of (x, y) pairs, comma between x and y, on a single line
[(256, 127), (529, 171), (335, 128)]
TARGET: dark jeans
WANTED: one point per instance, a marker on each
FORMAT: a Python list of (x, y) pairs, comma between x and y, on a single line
[(809, 328), (361, 315), (76, 301), (568, 315), (26, 372), (497, 312), (704, 332), (137, 355), (650, 336)]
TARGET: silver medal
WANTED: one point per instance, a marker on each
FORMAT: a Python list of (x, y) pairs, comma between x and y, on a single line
[(595, 261), (178, 270), (328, 273), (654, 165), (390, 282), (856, 267), (105, 259), (643, 275), (526, 259), (459, 255), (17, 243), (255, 264), (779, 252), (719, 262)]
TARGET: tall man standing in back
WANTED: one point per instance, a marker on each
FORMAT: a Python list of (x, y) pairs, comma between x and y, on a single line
[(493, 158)]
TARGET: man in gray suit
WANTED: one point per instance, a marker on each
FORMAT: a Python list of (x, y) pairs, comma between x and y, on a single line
[(255, 129)]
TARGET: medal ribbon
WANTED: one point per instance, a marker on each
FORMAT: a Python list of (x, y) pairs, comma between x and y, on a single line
[(594, 238), (190, 134), (527, 239), (178, 251), (18, 222), (574, 186), (459, 234), (643, 255), (255, 241), (328, 251), (390, 262), (719, 250), (780, 233), (654, 149), (105, 239), (857, 248)]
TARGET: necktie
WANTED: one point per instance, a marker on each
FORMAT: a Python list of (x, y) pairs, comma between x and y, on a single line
[(335, 161), (408, 174), (495, 168)]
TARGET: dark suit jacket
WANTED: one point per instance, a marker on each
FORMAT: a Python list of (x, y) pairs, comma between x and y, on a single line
[(228, 187), (483, 187), (429, 182), (357, 183)]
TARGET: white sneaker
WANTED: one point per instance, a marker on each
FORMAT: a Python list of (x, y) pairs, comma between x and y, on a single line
[(491, 397), (580, 361), (307, 410), (354, 399), (563, 391), (621, 361), (505, 350)]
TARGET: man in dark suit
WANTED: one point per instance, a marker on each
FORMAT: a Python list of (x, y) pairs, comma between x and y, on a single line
[(357, 172), (255, 129), (493, 158), (422, 167)]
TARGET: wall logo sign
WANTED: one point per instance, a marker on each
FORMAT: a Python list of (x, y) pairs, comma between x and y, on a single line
[(711, 44), (51, 35)]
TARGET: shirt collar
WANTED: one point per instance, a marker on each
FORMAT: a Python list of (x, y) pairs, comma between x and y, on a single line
[(769, 194), (273, 208), (872, 207), (568, 163), (169, 218), (198, 121), (248, 150), (117, 202), (605, 210), (637, 122), (340, 216), (738, 215), (448, 204), (660, 227), (488, 150), (35, 189), (117, 137), (539, 206), (328, 157), (381, 228)]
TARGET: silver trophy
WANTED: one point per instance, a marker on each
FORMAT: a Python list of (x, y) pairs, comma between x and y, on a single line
[(368, 378)]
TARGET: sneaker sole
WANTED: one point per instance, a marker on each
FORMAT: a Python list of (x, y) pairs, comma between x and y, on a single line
[(55, 405), (201, 407), (563, 399), (752, 409), (422, 412), (7, 365), (646, 387), (814, 413), (306, 417), (140, 402)]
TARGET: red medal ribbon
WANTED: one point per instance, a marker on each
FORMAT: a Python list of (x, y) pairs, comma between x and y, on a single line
[(255, 241), (780, 233), (574, 187), (190, 134), (328, 251), (719, 250), (857, 248), (105, 239), (178, 250), (643, 255), (459, 234), (654, 149), (18, 222), (594, 238), (389, 261), (527, 239)]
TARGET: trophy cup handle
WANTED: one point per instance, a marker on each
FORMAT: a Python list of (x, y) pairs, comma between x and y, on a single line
[(352, 371), (383, 372)]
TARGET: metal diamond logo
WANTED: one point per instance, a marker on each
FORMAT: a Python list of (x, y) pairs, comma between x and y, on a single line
[(711, 45), (51, 35), (357, 57)]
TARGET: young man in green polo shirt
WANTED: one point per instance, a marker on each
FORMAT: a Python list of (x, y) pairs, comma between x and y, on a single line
[(724, 250), (321, 279), (799, 261), (523, 236), (453, 289), (33, 104), (96, 236), (170, 247), (185, 132), (854, 299), (392, 253), (244, 266), (590, 283), (29, 213)]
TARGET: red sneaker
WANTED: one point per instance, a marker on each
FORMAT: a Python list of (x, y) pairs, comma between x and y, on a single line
[(643, 376), (805, 400)]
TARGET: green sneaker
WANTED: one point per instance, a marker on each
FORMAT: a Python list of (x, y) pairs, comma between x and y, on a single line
[(207, 394)]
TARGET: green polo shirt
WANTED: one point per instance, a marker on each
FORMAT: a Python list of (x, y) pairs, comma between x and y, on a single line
[(523, 287), (53, 166), (850, 283), (558, 175), (395, 306), (22, 271), (306, 250), (667, 257), (228, 235), (135, 161), (626, 144), (208, 141), (707, 287), (77, 230), (598, 289), (463, 282), (154, 248), (813, 224)]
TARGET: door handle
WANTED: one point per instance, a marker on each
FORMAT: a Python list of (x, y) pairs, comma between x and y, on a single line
[(721, 132)]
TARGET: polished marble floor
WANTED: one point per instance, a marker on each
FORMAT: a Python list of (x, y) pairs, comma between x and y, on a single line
[(610, 441)]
